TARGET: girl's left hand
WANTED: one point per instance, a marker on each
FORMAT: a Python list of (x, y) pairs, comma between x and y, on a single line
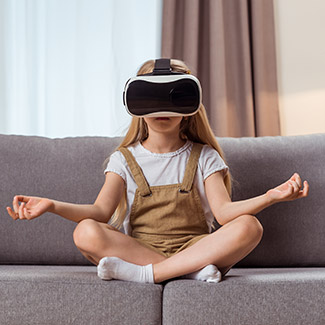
[(288, 191)]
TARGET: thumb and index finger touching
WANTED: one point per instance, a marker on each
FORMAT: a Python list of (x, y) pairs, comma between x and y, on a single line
[(302, 192), (14, 213)]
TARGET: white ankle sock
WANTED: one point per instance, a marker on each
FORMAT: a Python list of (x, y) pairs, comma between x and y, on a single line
[(210, 273), (114, 268)]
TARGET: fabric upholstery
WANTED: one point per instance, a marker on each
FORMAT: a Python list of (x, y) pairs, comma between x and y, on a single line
[(249, 296), (70, 169), (44, 279), (294, 232), (55, 295)]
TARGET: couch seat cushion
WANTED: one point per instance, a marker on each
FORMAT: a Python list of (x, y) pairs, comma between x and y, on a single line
[(249, 296), (74, 295)]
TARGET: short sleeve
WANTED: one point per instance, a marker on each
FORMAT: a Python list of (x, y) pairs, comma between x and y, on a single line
[(117, 165), (211, 162)]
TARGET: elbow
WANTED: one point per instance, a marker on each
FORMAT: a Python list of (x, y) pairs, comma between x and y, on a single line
[(221, 215), (104, 218), (220, 218), (221, 221), (100, 214)]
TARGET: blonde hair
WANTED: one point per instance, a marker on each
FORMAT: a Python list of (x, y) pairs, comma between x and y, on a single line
[(195, 128)]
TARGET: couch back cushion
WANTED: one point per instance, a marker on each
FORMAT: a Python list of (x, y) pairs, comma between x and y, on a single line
[(70, 169), (294, 232)]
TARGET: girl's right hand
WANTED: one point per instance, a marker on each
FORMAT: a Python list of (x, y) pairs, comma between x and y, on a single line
[(30, 207)]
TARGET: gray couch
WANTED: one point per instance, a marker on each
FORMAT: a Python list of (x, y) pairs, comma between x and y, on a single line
[(45, 280)]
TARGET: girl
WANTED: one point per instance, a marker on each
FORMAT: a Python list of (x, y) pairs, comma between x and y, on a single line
[(166, 183)]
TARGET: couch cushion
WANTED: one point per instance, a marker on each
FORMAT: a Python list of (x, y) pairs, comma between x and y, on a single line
[(74, 295), (249, 296), (294, 232), (68, 169)]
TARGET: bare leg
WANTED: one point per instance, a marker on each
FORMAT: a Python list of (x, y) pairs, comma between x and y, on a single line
[(96, 240), (223, 248)]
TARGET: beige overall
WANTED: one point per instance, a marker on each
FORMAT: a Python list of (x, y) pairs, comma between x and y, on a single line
[(167, 218)]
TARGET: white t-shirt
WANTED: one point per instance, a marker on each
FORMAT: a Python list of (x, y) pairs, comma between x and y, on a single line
[(164, 169)]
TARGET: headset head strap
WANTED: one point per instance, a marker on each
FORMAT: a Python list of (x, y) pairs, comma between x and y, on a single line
[(162, 66)]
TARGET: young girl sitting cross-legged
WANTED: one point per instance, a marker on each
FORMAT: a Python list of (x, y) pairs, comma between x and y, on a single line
[(165, 183)]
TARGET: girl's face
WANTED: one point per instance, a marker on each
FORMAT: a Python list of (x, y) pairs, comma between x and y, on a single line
[(164, 124)]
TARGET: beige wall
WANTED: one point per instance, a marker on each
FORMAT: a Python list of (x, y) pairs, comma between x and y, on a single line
[(2, 69), (300, 39)]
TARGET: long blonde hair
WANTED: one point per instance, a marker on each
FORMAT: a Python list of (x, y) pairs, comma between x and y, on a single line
[(195, 128)]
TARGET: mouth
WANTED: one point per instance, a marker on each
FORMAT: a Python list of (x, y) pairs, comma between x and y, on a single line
[(162, 118)]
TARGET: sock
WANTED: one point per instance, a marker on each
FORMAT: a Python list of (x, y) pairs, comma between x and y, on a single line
[(210, 273), (114, 268)]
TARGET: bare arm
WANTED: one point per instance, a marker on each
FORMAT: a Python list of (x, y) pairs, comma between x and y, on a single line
[(102, 209), (225, 210)]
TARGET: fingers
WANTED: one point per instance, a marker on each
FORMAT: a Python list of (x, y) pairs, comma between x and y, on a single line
[(19, 211), (297, 179), (289, 190), (12, 214), (305, 191), (296, 183), (295, 186), (15, 204)]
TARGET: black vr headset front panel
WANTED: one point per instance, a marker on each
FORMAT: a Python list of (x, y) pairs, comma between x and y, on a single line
[(145, 97), (162, 93)]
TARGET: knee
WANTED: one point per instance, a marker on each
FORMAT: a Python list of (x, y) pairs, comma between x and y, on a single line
[(86, 233), (250, 229)]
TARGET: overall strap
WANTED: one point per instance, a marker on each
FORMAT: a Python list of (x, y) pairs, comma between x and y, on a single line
[(137, 173), (191, 168)]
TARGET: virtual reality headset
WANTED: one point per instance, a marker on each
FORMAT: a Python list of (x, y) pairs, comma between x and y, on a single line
[(162, 93)]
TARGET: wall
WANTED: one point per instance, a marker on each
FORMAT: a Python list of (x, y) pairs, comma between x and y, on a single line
[(300, 37), (2, 70)]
